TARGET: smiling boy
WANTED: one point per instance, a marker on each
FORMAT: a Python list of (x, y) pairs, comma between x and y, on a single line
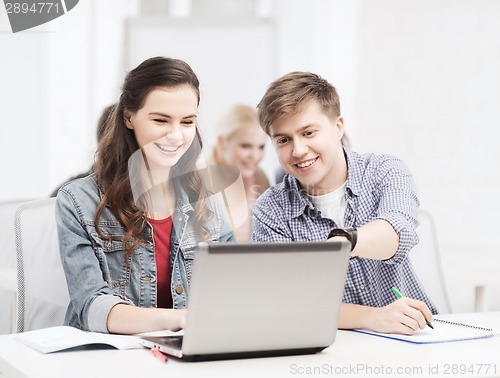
[(331, 192)]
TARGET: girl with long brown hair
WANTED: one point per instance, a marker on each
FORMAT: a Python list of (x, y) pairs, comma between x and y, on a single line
[(128, 232)]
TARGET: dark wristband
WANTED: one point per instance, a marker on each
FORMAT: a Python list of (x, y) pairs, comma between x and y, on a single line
[(351, 233)]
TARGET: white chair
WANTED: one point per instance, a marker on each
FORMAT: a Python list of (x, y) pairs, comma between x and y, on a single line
[(8, 277), (42, 297), (426, 261)]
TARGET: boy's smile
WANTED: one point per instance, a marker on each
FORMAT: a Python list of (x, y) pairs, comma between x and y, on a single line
[(306, 164), (308, 144)]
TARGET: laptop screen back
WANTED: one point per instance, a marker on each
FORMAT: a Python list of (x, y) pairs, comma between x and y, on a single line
[(256, 297)]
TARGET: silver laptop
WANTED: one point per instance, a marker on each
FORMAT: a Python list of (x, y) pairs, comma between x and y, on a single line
[(260, 299)]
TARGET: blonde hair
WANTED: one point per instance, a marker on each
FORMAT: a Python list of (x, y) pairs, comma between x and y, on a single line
[(238, 117)]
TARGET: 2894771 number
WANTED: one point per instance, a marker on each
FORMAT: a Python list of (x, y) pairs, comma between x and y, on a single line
[(473, 369), (16, 8)]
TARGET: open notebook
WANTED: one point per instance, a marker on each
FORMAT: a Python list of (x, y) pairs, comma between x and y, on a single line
[(55, 339), (444, 331)]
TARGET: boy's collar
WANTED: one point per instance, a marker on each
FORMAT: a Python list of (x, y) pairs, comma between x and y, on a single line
[(299, 198), (353, 183), (297, 195)]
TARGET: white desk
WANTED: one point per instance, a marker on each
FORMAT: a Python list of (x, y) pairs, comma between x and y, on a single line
[(353, 354)]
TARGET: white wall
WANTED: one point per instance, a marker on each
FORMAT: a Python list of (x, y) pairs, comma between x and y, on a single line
[(21, 108), (55, 80)]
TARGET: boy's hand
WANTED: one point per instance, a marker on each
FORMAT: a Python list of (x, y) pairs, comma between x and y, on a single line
[(404, 316)]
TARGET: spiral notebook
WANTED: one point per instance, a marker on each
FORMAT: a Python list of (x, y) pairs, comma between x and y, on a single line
[(444, 331)]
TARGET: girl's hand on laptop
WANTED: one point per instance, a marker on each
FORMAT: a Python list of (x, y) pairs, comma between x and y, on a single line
[(127, 319), (405, 316), (175, 319)]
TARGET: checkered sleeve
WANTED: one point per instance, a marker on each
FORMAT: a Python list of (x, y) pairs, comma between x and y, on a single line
[(398, 204)]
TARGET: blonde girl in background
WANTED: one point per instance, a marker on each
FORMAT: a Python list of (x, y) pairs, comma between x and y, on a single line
[(240, 144)]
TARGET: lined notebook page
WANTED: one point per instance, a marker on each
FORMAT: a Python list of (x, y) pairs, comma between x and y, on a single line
[(444, 331)]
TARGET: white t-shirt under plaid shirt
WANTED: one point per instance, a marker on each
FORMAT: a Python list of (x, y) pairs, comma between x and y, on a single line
[(378, 187)]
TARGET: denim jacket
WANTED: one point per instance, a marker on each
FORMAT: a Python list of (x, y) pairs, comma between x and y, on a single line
[(97, 273)]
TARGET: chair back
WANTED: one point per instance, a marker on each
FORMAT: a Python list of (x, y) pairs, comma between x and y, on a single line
[(43, 296), (426, 261), (8, 276)]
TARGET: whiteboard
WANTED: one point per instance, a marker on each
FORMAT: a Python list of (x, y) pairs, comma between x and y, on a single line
[(234, 59)]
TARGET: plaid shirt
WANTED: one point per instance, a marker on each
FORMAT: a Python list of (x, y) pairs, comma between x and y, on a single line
[(378, 187)]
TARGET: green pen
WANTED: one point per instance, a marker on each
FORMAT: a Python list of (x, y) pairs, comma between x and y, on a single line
[(399, 295)]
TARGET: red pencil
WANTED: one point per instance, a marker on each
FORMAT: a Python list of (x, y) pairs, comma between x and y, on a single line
[(155, 352)]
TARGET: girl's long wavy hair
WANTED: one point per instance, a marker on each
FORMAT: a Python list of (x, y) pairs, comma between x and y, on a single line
[(119, 143)]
